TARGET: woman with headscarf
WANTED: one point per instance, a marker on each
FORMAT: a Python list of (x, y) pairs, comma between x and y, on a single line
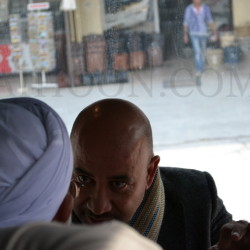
[(35, 174)]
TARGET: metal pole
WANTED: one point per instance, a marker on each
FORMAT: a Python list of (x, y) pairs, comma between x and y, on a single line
[(43, 77), (21, 79), (103, 14), (68, 49), (156, 16)]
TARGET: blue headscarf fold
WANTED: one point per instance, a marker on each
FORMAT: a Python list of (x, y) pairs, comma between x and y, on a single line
[(35, 161)]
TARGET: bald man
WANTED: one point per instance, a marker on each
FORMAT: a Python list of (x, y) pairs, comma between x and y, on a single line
[(35, 174), (116, 176)]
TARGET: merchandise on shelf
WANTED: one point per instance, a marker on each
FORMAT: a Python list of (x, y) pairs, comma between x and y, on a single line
[(41, 40)]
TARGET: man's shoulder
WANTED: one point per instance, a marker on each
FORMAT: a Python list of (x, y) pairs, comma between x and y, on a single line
[(58, 236), (206, 7), (189, 6), (180, 181), (181, 172)]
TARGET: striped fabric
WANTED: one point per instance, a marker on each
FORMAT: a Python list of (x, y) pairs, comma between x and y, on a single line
[(148, 218)]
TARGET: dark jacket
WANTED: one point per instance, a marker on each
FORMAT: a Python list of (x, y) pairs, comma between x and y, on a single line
[(193, 213)]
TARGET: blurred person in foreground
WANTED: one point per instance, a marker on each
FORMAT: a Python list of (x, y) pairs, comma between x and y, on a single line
[(35, 174), (116, 176), (196, 19)]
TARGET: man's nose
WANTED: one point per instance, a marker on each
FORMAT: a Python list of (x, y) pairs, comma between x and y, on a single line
[(99, 201)]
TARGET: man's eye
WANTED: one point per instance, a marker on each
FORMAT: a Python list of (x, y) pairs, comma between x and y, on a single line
[(119, 184), (83, 180)]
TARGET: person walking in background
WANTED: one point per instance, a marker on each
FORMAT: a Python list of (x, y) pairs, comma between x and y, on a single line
[(196, 19)]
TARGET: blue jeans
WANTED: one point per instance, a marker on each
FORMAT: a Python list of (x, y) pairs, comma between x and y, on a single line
[(199, 44)]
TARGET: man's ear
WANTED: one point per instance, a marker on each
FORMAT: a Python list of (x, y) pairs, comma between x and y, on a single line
[(64, 212), (153, 165)]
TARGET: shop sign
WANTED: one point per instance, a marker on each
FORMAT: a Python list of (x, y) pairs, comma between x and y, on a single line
[(38, 6)]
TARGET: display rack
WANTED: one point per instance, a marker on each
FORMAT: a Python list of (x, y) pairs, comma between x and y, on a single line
[(42, 45)]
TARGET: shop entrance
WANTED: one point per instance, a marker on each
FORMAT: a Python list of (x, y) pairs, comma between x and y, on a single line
[(171, 21)]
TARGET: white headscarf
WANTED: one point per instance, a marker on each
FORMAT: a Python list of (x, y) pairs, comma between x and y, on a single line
[(35, 161)]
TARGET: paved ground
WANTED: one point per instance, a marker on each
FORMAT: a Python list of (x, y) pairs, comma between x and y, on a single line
[(204, 127)]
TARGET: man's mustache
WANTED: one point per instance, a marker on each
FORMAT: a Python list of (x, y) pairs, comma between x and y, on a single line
[(105, 216)]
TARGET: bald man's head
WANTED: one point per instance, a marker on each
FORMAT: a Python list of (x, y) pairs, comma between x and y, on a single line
[(113, 160), (114, 120)]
